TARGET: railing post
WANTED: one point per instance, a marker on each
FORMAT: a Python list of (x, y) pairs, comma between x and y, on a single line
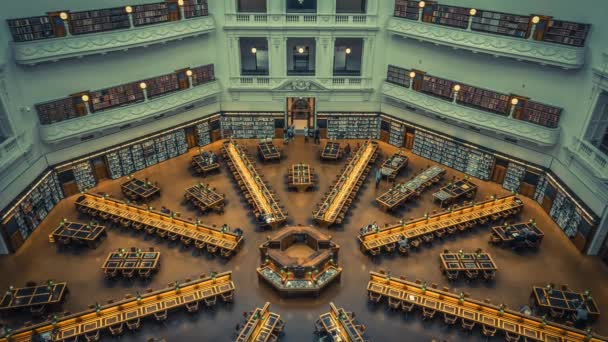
[(129, 11), (535, 20)]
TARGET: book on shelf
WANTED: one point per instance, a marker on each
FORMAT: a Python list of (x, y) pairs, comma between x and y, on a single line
[(447, 15), (566, 33), (399, 76), (203, 74), (351, 126), (407, 9), (541, 114), (149, 14), (126, 161), (114, 165), (501, 23), (99, 20), (83, 175), (32, 28), (513, 177), (137, 153), (483, 99), (161, 85), (116, 96), (55, 111), (438, 87), (195, 8), (203, 134)]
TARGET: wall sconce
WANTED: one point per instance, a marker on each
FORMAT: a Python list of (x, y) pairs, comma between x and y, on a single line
[(348, 51), (254, 50), (129, 9), (456, 90), (300, 50)]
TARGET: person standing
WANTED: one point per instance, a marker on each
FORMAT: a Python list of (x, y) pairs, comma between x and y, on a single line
[(306, 134), (317, 136), (378, 177)]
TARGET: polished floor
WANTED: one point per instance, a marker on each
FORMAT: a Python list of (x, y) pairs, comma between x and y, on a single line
[(557, 260)]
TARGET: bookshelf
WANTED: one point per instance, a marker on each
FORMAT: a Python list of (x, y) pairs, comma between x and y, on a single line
[(181, 142), (149, 152), (540, 114), (162, 153), (56, 111), (566, 33), (149, 14), (513, 177), (116, 96), (447, 15), (541, 187), (126, 161), (352, 126), (202, 74), (407, 9), (114, 165), (32, 28), (253, 126), (137, 153), (483, 99), (501, 23), (396, 134), (437, 87), (100, 20), (563, 212), (398, 76), (195, 8), (203, 134), (161, 85), (83, 175)]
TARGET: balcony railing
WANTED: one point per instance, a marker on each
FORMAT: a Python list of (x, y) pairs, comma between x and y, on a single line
[(270, 21), (501, 125), (596, 160), (39, 51), (565, 56), (300, 83), (97, 122)]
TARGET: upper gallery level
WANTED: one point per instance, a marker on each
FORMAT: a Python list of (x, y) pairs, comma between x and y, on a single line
[(64, 34), (301, 14), (531, 37)]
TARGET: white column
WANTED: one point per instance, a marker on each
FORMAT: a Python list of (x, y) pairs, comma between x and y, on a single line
[(277, 55), (234, 57), (324, 56), (367, 57), (326, 7)]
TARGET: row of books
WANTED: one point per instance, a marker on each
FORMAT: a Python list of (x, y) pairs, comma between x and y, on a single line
[(203, 132), (99, 20), (396, 134), (513, 177), (247, 126), (350, 126), (83, 175), (120, 95)]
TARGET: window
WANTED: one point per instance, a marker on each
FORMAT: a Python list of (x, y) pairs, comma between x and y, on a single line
[(350, 6), (251, 6), (254, 56), (300, 56), (597, 130), (5, 126), (347, 56), (303, 6)]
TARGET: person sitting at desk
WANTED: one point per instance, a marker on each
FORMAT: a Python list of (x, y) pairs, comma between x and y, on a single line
[(164, 210), (404, 242), (581, 316), (212, 157), (518, 240), (225, 228)]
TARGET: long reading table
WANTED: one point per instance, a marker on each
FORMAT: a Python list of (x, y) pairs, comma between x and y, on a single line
[(340, 325), (266, 207), (336, 203), (393, 165), (137, 189), (472, 264), (261, 326), (300, 177), (462, 188), (406, 295), (446, 222), (42, 295), (85, 233), (130, 311), (205, 198), (151, 221), (400, 193), (331, 151)]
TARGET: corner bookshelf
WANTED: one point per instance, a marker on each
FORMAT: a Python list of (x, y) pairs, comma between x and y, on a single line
[(83, 175), (203, 136), (116, 96), (202, 74), (32, 28), (150, 14), (398, 76), (406, 9), (114, 165), (447, 16), (483, 99), (501, 23), (100, 20), (513, 177), (566, 33), (195, 8), (396, 134)]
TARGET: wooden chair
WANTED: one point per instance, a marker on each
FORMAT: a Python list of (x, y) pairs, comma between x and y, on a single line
[(160, 316), (449, 319), (117, 329), (92, 336), (488, 330), (511, 337), (467, 325)]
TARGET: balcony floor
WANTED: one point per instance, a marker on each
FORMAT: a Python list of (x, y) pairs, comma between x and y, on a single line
[(557, 260)]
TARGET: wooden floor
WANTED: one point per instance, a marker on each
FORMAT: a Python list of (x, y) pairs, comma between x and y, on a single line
[(557, 260)]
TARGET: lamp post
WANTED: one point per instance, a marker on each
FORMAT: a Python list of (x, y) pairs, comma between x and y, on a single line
[(472, 13), (535, 20), (129, 11), (180, 3), (456, 90), (85, 99), (189, 73), (421, 5), (64, 17), (412, 76), (514, 102), (143, 87)]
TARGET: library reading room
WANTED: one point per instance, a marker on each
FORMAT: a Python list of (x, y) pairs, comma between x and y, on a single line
[(304, 170)]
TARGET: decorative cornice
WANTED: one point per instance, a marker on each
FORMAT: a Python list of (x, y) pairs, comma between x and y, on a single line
[(88, 44), (301, 21), (104, 120), (568, 57), (518, 129), (293, 84)]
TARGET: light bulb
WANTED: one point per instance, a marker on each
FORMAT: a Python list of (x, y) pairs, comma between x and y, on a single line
[(348, 51), (514, 101), (535, 19), (412, 74), (143, 85), (85, 98), (472, 11), (421, 4), (457, 87), (254, 50), (180, 2), (129, 9), (189, 73), (63, 16), (301, 50)]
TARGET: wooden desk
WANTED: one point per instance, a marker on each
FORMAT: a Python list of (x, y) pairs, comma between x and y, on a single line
[(266, 207), (460, 219), (455, 191), (509, 234), (203, 164), (393, 165), (268, 151), (331, 151), (152, 222), (402, 293), (300, 177), (41, 295), (205, 198), (563, 300), (123, 260), (348, 183), (400, 193), (138, 189), (157, 304), (261, 326), (86, 233), (456, 263), (338, 322)]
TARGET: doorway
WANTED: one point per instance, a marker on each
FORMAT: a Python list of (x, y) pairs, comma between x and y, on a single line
[(300, 112)]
